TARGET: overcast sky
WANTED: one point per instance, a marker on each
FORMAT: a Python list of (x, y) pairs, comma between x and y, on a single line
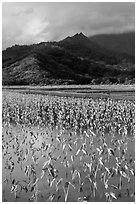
[(27, 23)]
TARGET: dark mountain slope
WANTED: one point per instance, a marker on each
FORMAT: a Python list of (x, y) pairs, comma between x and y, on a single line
[(74, 60), (14, 53), (122, 43), (45, 64), (24, 71), (82, 46)]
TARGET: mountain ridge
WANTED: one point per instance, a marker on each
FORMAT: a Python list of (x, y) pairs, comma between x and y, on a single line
[(73, 60), (122, 43)]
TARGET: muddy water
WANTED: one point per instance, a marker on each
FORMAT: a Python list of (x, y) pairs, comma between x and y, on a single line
[(83, 160)]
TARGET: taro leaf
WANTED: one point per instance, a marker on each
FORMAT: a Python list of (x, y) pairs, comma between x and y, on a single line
[(51, 172), (26, 169), (84, 152), (51, 183), (124, 174), (80, 189), (64, 146), (10, 158), (72, 158), (25, 188), (51, 197), (58, 185), (106, 184), (120, 184), (5, 180), (13, 181), (111, 151), (58, 139), (132, 172), (115, 187), (12, 168), (98, 150), (130, 161), (45, 163), (32, 188), (95, 185), (113, 195), (74, 174), (72, 185), (113, 173), (33, 197), (42, 173), (64, 158), (13, 188), (107, 169), (70, 147), (100, 161), (81, 199), (66, 190), (77, 152), (88, 198)]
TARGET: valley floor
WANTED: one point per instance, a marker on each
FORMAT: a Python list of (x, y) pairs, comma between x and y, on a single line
[(125, 92)]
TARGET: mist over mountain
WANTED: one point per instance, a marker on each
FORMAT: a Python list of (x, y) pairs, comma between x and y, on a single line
[(122, 43), (73, 60)]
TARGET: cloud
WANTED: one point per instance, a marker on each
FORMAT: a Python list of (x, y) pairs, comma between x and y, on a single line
[(34, 22), (24, 12)]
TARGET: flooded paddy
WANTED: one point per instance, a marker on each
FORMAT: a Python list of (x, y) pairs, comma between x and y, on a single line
[(66, 149)]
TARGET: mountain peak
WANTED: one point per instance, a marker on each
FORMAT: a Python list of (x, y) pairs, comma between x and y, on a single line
[(79, 35), (77, 38)]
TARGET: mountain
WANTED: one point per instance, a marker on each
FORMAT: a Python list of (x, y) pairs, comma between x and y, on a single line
[(74, 60), (44, 63), (83, 46), (77, 38), (122, 43)]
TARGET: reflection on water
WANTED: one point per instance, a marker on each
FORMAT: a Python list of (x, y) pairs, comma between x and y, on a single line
[(46, 164)]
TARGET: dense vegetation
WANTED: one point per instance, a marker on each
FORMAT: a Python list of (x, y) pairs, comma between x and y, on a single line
[(75, 60), (67, 149)]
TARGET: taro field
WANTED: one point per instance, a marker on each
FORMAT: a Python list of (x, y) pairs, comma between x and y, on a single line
[(67, 149)]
